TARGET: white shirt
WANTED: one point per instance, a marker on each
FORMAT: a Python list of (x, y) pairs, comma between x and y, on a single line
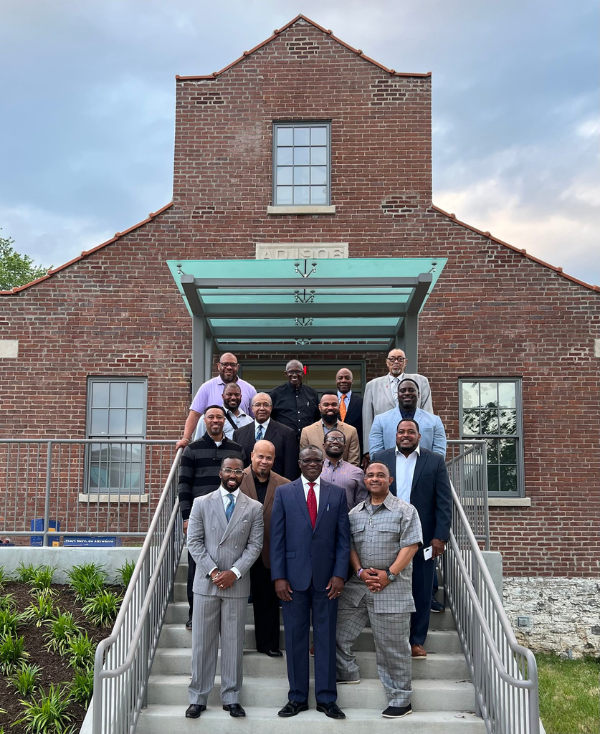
[(224, 496), (405, 470), (317, 488), (264, 425)]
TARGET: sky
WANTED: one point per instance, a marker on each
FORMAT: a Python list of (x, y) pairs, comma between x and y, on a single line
[(88, 92)]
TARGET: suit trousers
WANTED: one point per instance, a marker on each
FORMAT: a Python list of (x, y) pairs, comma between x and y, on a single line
[(214, 616), (296, 622), (422, 589), (266, 607), (190, 582), (392, 648)]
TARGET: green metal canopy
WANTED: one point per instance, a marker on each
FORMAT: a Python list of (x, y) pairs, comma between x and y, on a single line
[(303, 306)]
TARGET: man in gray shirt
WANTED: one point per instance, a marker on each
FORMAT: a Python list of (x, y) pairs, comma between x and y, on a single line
[(340, 472), (385, 535)]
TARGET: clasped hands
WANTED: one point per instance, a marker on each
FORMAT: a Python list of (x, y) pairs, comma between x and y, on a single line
[(223, 579), (375, 579)]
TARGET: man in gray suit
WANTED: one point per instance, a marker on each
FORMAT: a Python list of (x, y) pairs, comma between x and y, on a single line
[(381, 394), (225, 535), (386, 534)]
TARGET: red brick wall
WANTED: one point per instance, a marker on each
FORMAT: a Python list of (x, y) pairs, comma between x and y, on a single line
[(493, 313)]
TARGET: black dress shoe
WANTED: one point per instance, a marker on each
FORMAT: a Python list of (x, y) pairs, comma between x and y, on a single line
[(273, 653), (332, 710), (188, 625), (194, 710), (292, 708), (234, 709)]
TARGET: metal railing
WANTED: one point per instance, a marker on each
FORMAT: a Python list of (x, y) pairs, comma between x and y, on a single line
[(466, 462), (79, 487), (503, 672), (124, 659)]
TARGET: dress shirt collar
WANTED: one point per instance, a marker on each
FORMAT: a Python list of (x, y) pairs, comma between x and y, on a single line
[(399, 378), (329, 463), (240, 413), (334, 427), (388, 502), (317, 483), (417, 451), (293, 388), (345, 394), (264, 425), (225, 492)]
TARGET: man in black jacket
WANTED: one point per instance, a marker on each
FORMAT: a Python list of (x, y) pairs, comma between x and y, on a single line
[(294, 404), (263, 427), (351, 404), (199, 475), (421, 478)]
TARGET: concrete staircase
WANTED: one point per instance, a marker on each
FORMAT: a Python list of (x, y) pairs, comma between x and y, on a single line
[(442, 701)]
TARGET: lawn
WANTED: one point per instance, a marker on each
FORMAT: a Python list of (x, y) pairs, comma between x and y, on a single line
[(569, 694)]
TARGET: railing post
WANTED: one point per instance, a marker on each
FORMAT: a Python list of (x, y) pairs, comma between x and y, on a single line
[(47, 497)]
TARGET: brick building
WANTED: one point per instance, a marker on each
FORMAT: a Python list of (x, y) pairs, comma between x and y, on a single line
[(500, 328)]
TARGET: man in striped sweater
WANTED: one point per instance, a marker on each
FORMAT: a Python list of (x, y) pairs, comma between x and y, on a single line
[(199, 475)]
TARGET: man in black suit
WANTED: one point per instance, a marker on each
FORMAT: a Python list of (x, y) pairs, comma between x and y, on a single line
[(264, 427), (351, 404), (421, 478)]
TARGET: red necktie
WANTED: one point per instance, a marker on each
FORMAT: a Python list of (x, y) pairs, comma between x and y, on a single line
[(311, 502), (343, 409)]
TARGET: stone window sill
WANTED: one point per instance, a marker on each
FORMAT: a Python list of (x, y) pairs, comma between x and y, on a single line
[(301, 210), (132, 499), (509, 501)]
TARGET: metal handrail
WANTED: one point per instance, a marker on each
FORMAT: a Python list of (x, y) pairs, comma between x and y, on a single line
[(467, 468), (123, 660), (503, 672)]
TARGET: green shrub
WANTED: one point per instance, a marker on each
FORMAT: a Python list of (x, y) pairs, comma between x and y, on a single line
[(125, 573), (40, 610), (62, 629), (81, 651), (7, 601), (4, 577), (102, 609), (82, 686), (25, 679), (25, 573), (87, 580), (49, 713), (12, 653), (9, 622), (42, 578)]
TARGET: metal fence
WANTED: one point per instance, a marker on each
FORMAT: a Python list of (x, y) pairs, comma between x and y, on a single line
[(80, 487), (123, 660), (466, 462), (503, 672)]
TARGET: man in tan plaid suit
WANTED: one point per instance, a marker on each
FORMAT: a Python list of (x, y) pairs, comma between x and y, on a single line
[(386, 534)]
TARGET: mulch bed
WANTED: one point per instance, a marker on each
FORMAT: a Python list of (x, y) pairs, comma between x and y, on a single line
[(54, 667)]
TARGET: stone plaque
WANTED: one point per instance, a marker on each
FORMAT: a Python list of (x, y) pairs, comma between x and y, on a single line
[(301, 251)]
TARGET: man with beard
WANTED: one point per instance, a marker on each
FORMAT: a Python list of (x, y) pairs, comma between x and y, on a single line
[(340, 472), (225, 535), (383, 430), (260, 483), (211, 393), (199, 474), (234, 416), (330, 413), (294, 404)]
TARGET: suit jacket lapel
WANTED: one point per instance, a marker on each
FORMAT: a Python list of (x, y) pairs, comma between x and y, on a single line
[(248, 484), (387, 386), (219, 510), (270, 492), (421, 460), (238, 513), (299, 493), (323, 503)]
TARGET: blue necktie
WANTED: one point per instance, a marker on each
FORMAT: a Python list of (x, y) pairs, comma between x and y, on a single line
[(259, 433), (230, 507)]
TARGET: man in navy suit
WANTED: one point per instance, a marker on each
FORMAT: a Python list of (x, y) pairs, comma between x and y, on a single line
[(421, 478), (351, 404), (310, 552)]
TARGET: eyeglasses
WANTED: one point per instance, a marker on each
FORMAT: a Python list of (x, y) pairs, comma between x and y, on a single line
[(311, 461), (396, 359), (261, 405), (229, 364), (293, 372), (236, 472), (335, 439)]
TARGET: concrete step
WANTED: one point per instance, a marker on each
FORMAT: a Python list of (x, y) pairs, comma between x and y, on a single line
[(428, 695), (178, 611), (178, 661), (170, 720), (438, 641)]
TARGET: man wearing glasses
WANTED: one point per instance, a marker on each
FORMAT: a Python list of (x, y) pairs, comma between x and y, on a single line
[(294, 404), (381, 394), (340, 472), (211, 393)]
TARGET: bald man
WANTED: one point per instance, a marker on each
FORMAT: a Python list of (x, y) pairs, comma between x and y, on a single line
[(260, 483), (282, 437), (211, 393)]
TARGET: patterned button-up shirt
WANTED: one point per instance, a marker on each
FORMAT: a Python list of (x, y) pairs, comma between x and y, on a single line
[(348, 476), (378, 534)]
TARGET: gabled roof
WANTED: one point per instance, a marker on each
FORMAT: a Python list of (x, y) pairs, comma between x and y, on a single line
[(515, 249), (85, 253), (357, 51)]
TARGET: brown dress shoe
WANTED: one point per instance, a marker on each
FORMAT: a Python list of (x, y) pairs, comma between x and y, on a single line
[(418, 652)]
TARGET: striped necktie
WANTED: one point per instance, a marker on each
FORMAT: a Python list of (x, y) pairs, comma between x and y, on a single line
[(259, 433), (230, 507), (343, 409)]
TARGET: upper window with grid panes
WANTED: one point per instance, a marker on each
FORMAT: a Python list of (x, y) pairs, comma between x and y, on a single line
[(491, 410), (301, 154)]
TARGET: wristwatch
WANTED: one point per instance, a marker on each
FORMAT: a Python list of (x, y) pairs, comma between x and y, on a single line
[(391, 576)]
